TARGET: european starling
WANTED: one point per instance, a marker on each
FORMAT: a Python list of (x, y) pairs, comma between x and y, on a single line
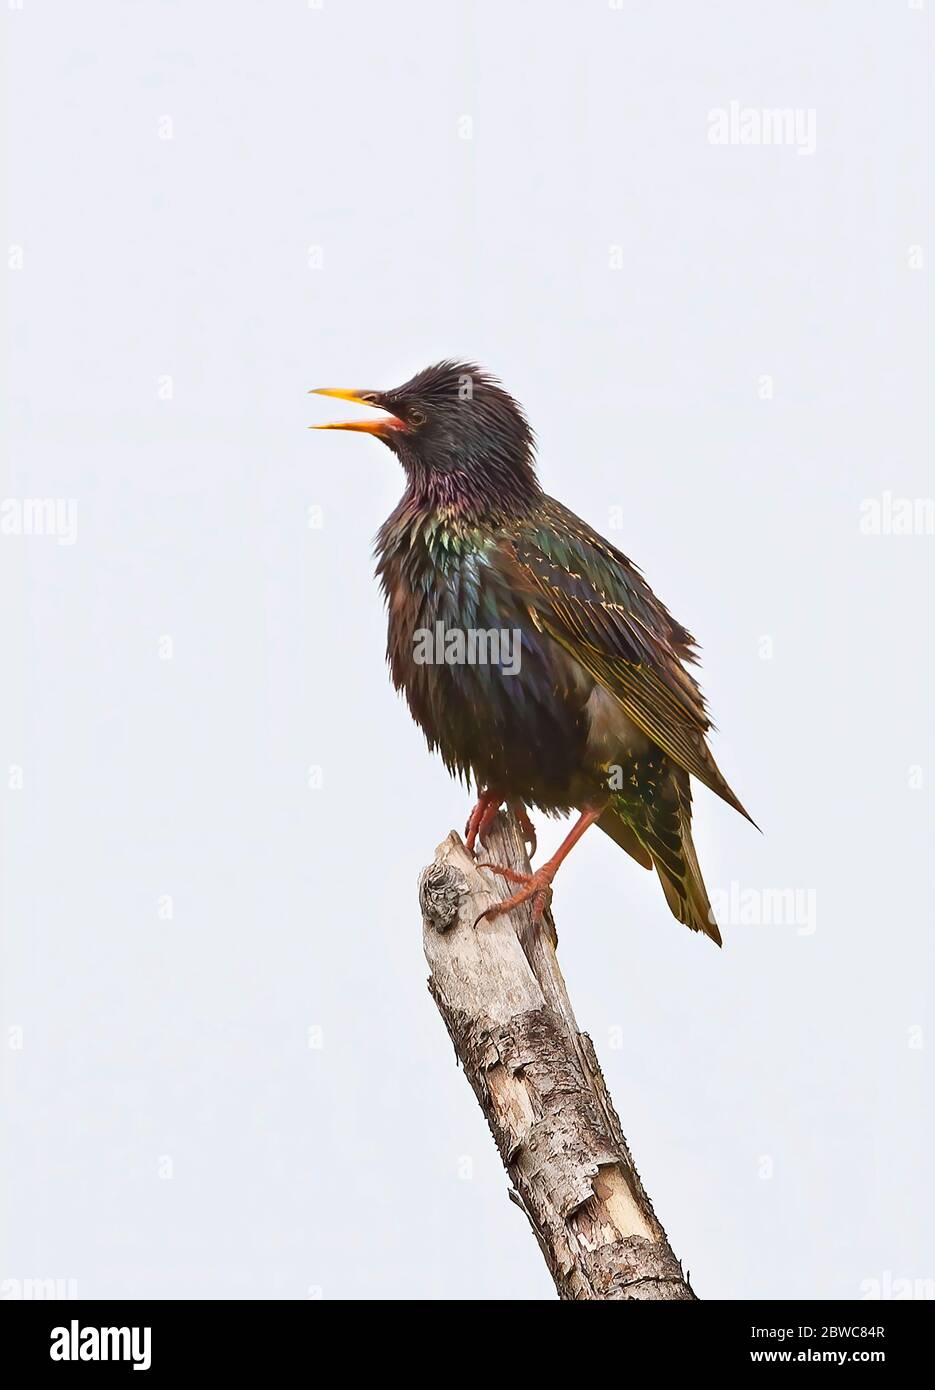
[(532, 652)]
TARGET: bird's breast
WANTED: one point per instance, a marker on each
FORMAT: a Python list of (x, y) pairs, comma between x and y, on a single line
[(501, 702)]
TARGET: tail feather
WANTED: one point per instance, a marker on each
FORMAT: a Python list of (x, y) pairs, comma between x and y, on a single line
[(661, 829), (687, 896), (622, 834)]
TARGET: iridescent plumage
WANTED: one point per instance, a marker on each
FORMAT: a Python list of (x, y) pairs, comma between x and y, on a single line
[(601, 711)]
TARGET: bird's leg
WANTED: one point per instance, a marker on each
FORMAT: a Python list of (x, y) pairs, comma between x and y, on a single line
[(487, 818), (538, 885), (525, 825), (488, 804)]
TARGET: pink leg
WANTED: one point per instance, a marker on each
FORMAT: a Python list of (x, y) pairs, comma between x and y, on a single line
[(537, 886), (489, 803)]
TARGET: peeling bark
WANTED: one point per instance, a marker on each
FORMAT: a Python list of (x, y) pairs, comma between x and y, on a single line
[(500, 991)]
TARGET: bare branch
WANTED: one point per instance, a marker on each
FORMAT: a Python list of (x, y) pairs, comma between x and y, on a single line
[(501, 994)]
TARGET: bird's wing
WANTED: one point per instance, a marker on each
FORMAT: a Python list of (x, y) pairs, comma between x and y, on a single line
[(592, 600)]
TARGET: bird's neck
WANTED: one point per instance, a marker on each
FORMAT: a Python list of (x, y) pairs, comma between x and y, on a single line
[(419, 538), (468, 497), (422, 538), (444, 515)]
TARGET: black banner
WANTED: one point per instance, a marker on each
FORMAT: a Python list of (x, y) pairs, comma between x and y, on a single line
[(237, 1338)]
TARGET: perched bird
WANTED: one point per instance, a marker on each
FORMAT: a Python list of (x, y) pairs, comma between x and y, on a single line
[(531, 651)]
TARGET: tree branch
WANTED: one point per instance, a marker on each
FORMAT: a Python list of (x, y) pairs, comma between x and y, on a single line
[(500, 991)]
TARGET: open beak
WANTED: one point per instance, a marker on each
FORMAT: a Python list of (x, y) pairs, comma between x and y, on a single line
[(379, 427)]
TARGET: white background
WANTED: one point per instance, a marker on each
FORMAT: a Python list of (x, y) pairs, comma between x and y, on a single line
[(317, 218)]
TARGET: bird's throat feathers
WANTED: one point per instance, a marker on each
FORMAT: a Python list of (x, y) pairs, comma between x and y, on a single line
[(464, 493), (444, 515)]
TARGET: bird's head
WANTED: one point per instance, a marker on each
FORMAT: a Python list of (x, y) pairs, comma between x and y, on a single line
[(457, 432)]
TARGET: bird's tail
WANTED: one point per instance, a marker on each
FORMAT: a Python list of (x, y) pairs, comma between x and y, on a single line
[(658, 835)]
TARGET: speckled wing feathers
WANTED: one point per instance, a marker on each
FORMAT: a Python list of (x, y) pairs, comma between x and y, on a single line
[(590, 598)]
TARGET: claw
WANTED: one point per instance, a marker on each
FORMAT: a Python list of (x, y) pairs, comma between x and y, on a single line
[(535, 887), (488, 804), (525, 825), (509, 874)]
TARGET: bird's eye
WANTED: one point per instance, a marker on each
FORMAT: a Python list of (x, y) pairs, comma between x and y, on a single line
[(417, 417)]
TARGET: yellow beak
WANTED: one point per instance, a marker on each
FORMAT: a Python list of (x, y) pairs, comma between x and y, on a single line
[(377, 427)]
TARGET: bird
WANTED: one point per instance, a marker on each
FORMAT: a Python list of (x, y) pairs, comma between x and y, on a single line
[(531, 651)]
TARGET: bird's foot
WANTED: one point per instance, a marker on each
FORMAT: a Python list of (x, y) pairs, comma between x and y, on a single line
[(479, 820), (535, 887), (525, 825)]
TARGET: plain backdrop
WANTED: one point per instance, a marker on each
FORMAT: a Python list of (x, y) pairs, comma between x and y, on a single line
[(223, 1074)]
